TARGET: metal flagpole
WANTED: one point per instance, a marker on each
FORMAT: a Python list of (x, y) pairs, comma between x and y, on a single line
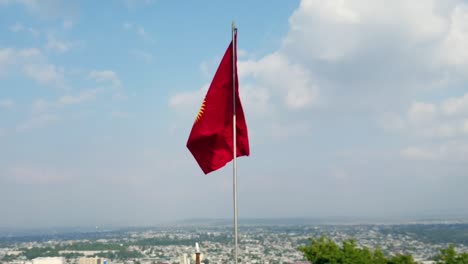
[(234, 137)]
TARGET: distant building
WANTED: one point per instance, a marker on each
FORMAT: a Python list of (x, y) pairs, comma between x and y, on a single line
[(183, 259), (91, 261), (194, 256), (49, 260)]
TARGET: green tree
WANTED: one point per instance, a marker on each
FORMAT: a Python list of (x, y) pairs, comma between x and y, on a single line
[(463, 258), (379, 257), (326, 251), (352, 254), (402, 259), (447, 256), (322, 251), (450, 256)]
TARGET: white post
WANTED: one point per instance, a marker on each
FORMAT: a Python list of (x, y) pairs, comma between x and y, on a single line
[(234, 137)]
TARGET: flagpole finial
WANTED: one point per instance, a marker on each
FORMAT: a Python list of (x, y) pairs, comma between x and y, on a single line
[(233, 25)]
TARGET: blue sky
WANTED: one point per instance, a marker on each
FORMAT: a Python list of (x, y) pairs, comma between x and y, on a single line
[(354, 108)]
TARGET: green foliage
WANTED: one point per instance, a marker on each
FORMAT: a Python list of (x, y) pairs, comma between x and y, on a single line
[(450, 256), (71, 255), (8, 258), (401, 259), (121, 255), (326, 251), (322, 251), (114, 251), (379, 257), (107, 255), (168, 241), (84, 246), (37, 252)]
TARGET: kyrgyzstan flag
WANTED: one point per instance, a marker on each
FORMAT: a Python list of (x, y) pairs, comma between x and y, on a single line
[(211, 138)]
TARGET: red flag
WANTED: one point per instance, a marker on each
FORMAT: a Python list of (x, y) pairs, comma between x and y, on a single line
[(211, 138)]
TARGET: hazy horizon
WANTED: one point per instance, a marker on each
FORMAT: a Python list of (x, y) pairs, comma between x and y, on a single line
[(354, 108), (227, 222)]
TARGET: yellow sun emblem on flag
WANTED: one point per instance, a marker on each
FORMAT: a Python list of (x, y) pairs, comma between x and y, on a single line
[(201, 111)]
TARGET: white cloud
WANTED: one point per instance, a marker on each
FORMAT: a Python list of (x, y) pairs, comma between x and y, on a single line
[(451, 151), (241, 53), (45, 8), (37, 122), (120, 96), (419, 154), (455, 106), (7, 104), (84, 96), (27, 3), (204, 68), (67, 24), (30, 53), (208, 67), (318, 28), (188, 101), (135, 3), (34, 176), (373, 56), (7, 58), (109, 80), (33, 64), (41, 105), (445, 119), (376, 52), (288, 81), (143, 55), (137, 29), (10, 57), (334, 30), (392, 122), (360, 59), (422, 112), (18, 27), (120, 114), (58, 46), (340, 175), (142, 32), (453, 48), (339, 47), (262, 81), (46, 74), (256, 100), (127, 25), (281, 131), (465, 126), (106, 76)]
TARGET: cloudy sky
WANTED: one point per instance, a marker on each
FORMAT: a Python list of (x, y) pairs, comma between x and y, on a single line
[(355, 108)]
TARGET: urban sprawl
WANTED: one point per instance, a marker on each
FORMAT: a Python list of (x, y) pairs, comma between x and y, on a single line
[(259, 243)]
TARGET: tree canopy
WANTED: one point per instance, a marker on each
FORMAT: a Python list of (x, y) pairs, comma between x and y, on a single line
[(324, 250)]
